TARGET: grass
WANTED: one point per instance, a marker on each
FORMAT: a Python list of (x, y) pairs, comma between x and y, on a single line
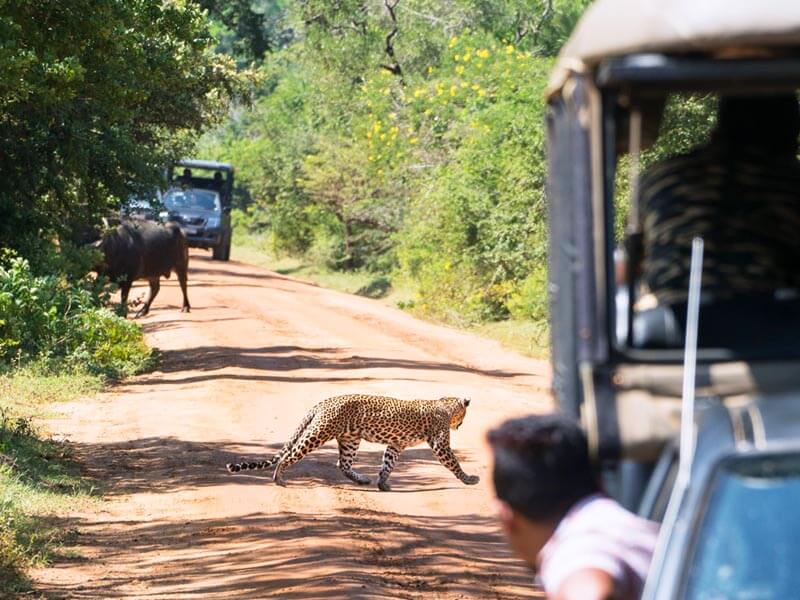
[(527, 337), (251, 249), (38, 479)]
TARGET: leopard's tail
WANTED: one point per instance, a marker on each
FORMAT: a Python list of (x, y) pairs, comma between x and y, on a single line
[(266, 464)]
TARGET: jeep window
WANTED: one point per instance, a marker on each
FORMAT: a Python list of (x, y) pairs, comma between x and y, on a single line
[(195, 199), (746, 546)]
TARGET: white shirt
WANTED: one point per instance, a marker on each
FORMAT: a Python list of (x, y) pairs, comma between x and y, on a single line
[(597, 533)]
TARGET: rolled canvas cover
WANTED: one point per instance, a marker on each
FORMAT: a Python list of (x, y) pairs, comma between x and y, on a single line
[(612, 28)]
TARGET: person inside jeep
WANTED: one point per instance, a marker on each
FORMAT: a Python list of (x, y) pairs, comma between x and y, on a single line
[(741, 193)]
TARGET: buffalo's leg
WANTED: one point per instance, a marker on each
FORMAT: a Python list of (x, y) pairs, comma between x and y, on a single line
[(125, 289), (155, 285), (182, 281)]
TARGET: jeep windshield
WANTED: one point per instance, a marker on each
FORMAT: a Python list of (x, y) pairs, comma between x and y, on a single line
[(192, 199), (746, 547)]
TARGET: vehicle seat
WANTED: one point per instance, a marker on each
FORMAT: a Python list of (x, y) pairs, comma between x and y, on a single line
[(751, 327)]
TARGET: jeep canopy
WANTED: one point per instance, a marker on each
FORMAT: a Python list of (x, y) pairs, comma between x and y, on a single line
[(606, 96), (614, 28)]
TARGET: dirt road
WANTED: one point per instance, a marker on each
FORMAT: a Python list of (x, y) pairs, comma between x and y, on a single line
[(238, 373)]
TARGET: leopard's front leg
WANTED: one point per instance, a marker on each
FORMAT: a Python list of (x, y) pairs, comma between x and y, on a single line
[(440, 443)]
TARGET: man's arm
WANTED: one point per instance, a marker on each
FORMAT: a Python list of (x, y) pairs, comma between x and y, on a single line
[(586, 584)]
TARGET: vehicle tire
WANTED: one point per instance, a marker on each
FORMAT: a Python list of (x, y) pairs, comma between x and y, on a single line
[(218, 251)]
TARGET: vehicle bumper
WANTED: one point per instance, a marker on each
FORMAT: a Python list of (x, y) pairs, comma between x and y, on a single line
[(203, 238)]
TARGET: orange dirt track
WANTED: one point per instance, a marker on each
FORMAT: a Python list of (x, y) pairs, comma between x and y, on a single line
[(237, 375)]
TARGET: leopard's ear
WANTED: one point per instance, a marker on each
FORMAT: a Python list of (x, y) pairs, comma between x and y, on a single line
[(465, 401)]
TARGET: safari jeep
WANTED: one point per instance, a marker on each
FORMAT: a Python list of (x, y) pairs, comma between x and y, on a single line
[(199, 200), (703, 436)]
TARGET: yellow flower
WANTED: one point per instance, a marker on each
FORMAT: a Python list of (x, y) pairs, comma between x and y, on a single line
[(453, 41), (464, 84), (520, 56), (430, 70), (377, 126), (418, 92), (370, 158), (413, 141), (427, 111), (509, 49), (394, 131), (476, 87), (383, 136), (481, 93), (453, 90), (459, 69), (479, 65), (369, 134), (483, 53), (467, 56)]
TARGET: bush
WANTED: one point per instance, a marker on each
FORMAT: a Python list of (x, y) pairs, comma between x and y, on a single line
[(50, 318)]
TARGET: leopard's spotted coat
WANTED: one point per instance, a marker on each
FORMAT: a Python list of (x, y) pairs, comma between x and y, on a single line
[(355, 417)]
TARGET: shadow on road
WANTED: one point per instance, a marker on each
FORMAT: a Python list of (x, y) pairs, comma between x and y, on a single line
[(167, 465), (257, 556), (291, 358)]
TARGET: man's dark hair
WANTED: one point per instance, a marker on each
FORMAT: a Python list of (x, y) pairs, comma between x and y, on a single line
[(767, 123), (542, 465)]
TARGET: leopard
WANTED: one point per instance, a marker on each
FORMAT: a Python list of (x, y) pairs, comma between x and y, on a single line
[(352, 418)]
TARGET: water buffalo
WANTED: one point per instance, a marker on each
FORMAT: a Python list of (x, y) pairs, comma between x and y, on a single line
[(143, 250)]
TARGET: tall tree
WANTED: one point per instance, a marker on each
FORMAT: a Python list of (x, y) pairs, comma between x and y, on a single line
[(95, 97)]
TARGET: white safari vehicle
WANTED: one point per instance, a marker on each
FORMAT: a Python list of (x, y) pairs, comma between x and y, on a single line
[(696, 417)]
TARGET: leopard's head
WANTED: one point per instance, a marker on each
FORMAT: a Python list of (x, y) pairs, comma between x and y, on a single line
[(459, 411)]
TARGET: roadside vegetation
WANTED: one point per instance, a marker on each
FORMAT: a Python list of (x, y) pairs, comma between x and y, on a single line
[(402, 142), (95, 98), (37, 477)]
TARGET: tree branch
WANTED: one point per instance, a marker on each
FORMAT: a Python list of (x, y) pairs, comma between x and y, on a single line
[(394, 67), (548, 9)]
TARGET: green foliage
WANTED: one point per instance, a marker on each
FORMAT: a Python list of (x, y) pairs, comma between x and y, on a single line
[(50, 318), (687, 121), (247, 29), (95, 98), (37, 477), (423, 162)]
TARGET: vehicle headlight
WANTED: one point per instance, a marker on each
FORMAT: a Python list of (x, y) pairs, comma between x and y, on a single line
[(212, 222)]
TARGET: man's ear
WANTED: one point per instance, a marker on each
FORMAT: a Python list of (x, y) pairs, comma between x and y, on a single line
[(505, 514)]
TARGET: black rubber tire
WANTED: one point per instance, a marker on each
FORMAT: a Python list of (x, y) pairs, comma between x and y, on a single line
[(218, 252)]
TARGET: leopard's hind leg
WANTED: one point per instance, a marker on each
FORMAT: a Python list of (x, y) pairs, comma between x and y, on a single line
[(389, 459), (308, 442), (348, 448)]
